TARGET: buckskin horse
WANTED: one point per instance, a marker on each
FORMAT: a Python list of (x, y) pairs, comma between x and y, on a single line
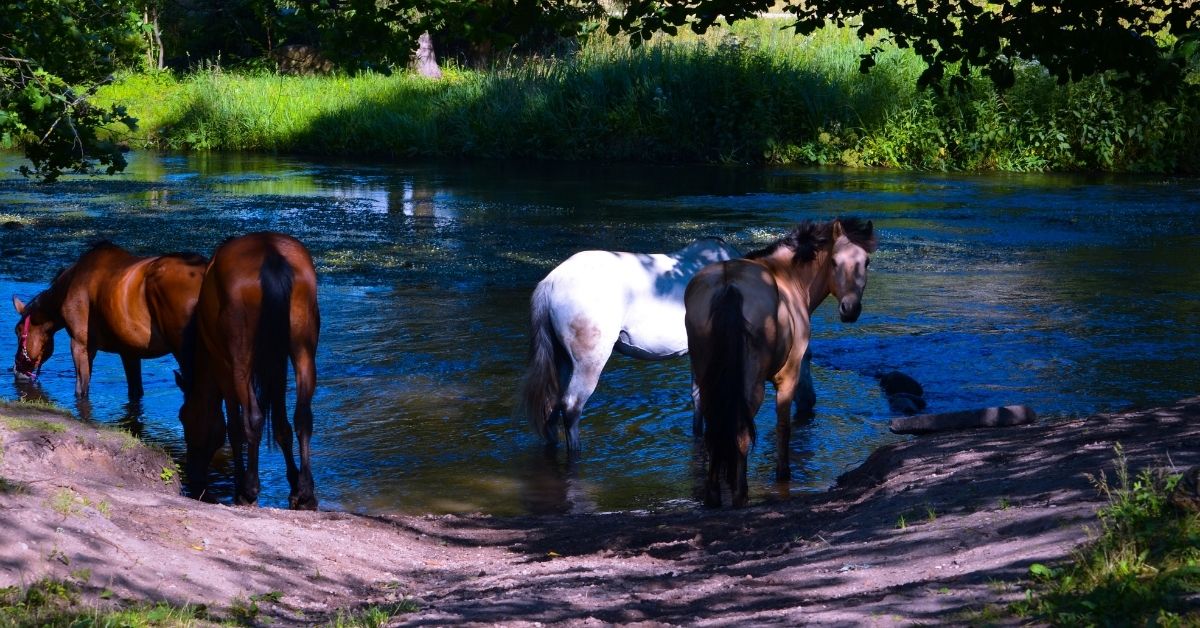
[(747, 321), (257, 308), (110, 300), (596, 301)]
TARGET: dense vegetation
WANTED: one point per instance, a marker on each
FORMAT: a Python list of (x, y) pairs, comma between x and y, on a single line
[(750, 93), (759, 99)]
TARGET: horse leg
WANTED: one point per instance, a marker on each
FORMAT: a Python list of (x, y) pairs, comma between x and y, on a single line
[(697, 418), (806, 394), (237, 442), (785, 391), (83, 354), (582, 385), (303, 495), (712, 486), (252, 426), (589, 347), (201, 447), (738, 486), (133, 375)]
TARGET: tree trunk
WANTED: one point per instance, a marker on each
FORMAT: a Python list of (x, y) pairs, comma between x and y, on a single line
[(426, 61)]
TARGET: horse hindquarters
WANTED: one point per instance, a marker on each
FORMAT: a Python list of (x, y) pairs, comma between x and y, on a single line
[(279, 336), (730, 393)]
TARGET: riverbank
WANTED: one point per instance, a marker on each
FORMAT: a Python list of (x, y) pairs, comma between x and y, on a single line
[(939, 529), (750, 93)]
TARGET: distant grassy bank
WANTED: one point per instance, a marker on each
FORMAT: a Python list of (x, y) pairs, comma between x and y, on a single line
[(749, 94)]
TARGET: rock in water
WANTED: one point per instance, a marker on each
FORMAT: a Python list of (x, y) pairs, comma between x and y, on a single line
[(1004, 416)]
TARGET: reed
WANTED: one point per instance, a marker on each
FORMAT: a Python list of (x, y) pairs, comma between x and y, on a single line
[(751, 93)]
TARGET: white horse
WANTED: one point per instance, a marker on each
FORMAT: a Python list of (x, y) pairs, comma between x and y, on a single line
[(594, 302)]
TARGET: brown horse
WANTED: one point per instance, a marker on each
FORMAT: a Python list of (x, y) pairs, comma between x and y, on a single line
[(257, 307), (748, 321), (113, 301)]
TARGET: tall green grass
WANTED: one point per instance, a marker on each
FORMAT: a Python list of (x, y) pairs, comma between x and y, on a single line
[(747, 94)]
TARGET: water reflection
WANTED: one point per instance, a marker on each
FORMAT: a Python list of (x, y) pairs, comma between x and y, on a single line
[(1070, 294)]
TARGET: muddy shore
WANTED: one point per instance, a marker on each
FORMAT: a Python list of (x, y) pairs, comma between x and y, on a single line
[(925, 531)]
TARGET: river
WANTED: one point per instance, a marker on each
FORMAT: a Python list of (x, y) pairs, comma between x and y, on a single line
[(1071, 294)]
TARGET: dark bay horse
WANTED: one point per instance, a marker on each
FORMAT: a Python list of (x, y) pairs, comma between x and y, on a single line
[(257, 308), (110, 300), (748, 321)]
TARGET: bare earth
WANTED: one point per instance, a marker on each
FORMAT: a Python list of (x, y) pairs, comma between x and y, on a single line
[(979, 507)]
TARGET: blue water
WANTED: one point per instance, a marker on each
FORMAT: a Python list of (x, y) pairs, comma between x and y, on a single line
[(1073, 295)]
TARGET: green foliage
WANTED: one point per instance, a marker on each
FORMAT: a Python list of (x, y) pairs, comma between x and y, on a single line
[(1146, 43), (750, 94), (51, 48), (51, 602), (374, 616), (1141, 569), (39, 425)]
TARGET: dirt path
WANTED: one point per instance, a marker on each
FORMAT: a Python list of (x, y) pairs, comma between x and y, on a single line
[(978, 508)]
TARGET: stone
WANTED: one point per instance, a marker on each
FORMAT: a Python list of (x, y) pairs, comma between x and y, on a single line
[(1002, 416)]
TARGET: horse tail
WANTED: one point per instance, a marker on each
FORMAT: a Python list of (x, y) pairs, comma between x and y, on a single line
[(273, 341), (541, 389), (724, 400)]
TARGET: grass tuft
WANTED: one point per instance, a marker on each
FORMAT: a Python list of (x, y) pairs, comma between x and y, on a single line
[(1144, 567)]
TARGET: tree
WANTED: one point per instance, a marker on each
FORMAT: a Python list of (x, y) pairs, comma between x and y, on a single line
[(1145, 43), (52, 54)]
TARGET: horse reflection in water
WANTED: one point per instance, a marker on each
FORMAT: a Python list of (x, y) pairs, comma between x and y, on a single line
[(257, 308), (110, 300), (596, 301), (748, 321)]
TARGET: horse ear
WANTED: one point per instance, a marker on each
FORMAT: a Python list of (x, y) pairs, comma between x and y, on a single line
[(837, 230), (18, 305)]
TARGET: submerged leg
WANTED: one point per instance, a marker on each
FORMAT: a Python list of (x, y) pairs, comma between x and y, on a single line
[(583, 384), (133, 375), (712, 485), (252, 427), (806, 395), (237, 443), (303, 495), (83, 354), (785, 390)]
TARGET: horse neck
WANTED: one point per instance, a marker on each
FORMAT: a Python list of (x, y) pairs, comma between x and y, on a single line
[(809, 279), (48, 304)]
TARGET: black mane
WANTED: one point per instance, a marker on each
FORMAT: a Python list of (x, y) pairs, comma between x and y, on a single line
[(808, 237)]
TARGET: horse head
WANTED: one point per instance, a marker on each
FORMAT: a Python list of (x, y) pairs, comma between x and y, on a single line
[(35, 339), (853, 243)]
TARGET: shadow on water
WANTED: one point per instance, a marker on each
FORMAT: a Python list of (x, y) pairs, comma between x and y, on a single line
[(1071, 295)]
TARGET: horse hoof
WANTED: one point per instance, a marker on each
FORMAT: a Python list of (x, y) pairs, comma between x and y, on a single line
[(308, 503)]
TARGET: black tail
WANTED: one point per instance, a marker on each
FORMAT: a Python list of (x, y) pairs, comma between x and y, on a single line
[(541, 388), (273, 342), (724, 402)]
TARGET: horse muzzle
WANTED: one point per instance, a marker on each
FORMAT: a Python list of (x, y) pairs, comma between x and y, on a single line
[(25, 370), (849, 310)]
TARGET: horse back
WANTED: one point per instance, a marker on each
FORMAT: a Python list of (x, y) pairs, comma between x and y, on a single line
[(769, 318), (172, 287), (232, 293)]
